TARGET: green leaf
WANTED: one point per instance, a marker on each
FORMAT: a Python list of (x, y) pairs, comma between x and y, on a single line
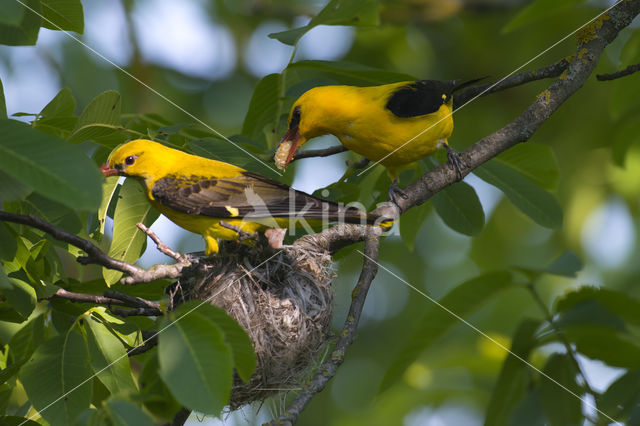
[(20, 295), (221, 150), (154, 393), (534, 161), (43, 162), (19, 25), (538, 10), (10, 371), (62, 105), (350, 73), (27, 339), (528, 197), (459, 207), (63, 15), (100, 118), (410, 224), (124, 413), (567, 265), (263, 108), (195, 362), (561, 407), (128, 332), (514, 377), (622, 99), (8, 245), (17, 421), (620, 303), (630, 53), (244, 358), (11, 189), (3, 104), (463, 300), (528, 411), (109, 188), (108, 357), (56, 376), (625, 133), (129, 242), (622, 396), (336, 12), (614, 347)]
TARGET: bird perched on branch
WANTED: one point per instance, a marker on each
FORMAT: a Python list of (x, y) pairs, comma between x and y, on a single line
[(393, 124), (219, 200)]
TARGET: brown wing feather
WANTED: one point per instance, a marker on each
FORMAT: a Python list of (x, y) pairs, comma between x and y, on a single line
[(251, 194)]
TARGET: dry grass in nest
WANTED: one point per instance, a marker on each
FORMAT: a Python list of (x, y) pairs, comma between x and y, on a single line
[(284, 303)]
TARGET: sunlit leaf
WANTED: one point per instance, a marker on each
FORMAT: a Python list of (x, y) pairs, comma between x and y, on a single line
[(19, 294), (336, 12), (195, 362), (42, 162), (56, 378), (109, 189), (129, 242), (108, 357), (100, 118), (244, 359), (62, 105), (514, 377), (63, 15), (437, 320), (528, 197)]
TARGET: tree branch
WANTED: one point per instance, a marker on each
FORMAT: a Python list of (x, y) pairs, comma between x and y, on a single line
[(162, 247), (141, 307), (618, 74), (325, 152), (95, 255), (329, 368)]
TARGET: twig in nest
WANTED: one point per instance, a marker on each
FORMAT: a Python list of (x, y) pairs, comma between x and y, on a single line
[(242, 235), (618, 74), (162, 247)]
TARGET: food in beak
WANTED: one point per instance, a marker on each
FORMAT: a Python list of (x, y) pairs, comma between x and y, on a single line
[(108, 171), (287, 148)]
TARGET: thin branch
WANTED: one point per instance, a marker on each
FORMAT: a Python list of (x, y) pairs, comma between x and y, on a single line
[(329, 368), (95, 255), (618, 74), (162, 247), (325, 152), (550, 71), (150, 342), (563, 338), (140, 306)]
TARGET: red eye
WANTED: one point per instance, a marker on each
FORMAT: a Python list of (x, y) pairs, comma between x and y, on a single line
[(129, 160)]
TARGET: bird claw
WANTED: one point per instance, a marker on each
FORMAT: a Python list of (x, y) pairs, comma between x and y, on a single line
[(395, 192), (455, 162)]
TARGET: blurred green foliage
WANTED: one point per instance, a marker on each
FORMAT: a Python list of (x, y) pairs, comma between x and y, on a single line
[(538, 265)]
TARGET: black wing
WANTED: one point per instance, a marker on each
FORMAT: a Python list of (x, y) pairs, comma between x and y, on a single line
[(420, 97), (247, 195)]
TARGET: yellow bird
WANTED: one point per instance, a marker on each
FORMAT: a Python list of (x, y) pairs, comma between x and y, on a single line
[(197, 194), (393, 124)]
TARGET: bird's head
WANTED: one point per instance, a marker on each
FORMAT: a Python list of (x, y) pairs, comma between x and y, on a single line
[(308, 119), (135, 158)]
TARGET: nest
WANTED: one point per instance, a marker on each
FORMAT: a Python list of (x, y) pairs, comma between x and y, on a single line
[(284, 303)]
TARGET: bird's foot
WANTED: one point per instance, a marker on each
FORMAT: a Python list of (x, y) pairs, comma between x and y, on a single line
[(395, 192), (455, 162)]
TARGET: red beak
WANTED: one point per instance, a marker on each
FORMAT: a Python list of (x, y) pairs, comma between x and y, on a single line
[(292, 136), (108, 171)]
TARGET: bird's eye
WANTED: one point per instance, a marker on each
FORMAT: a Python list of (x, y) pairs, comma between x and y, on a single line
[(129, 160), (295, 118)]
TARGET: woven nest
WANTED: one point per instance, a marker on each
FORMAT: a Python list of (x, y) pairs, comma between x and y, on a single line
[(284, 302)]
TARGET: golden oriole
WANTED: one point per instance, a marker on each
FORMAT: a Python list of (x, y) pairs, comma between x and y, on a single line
[(197, 194), (393, 124)]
